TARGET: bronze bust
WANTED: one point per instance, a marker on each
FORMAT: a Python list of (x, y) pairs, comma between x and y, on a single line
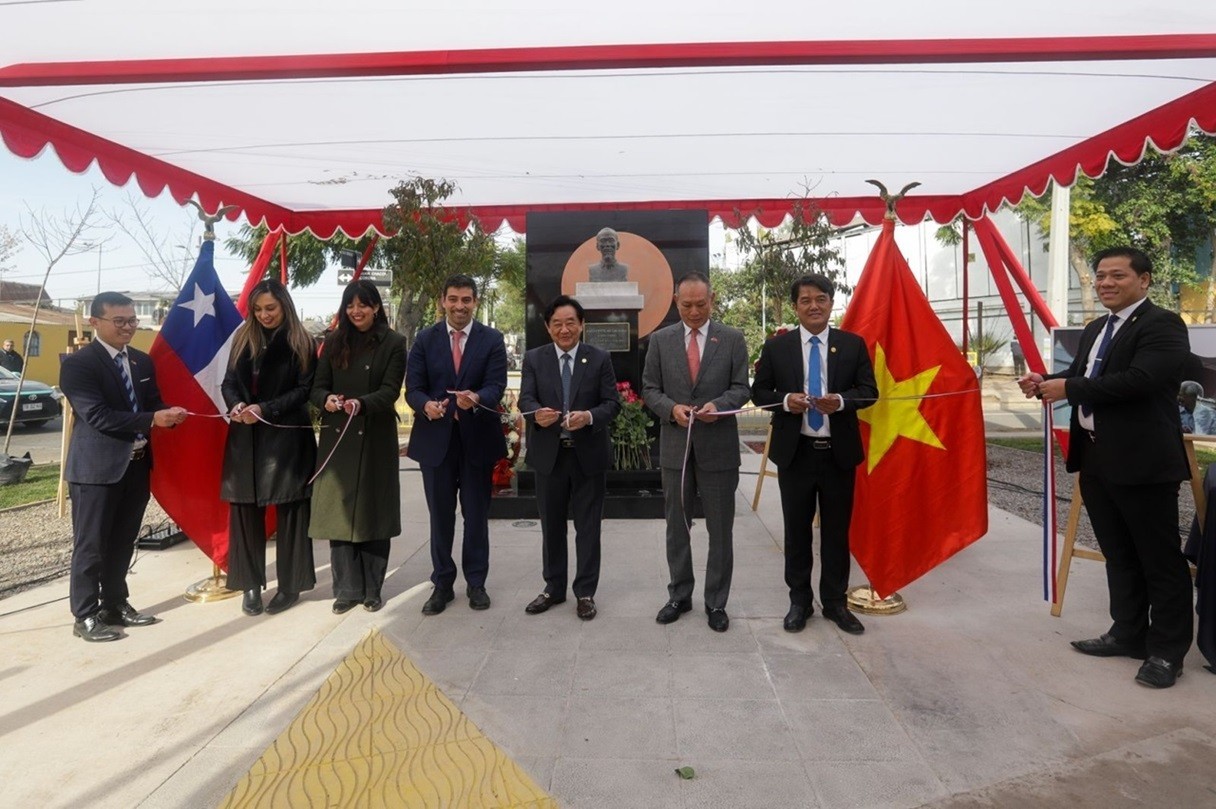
[(608, 269)]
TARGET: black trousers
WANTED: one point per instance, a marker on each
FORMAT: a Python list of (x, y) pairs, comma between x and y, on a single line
[(1146, 573), (105, 524), (294, 564), (568, 487), (454, 479), (812, 476), (358, 568)]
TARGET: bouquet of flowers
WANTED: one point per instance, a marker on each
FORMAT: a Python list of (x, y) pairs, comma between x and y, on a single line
[(630, 439), (512, 428)]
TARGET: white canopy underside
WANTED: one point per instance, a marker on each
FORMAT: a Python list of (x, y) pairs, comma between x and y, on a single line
[(665, 134)]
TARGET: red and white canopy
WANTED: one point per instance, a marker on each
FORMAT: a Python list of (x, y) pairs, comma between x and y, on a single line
[(305, 114)]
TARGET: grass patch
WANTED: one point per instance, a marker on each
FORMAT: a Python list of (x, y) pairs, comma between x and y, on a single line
[(1028, 444), (41, 483)]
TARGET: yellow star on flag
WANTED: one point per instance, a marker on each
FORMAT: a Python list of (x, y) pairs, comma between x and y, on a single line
[(897, 411)]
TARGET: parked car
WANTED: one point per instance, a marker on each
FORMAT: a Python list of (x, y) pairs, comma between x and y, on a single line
[(39, 402)]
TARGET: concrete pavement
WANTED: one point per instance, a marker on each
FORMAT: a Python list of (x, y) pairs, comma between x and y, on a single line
[(972, 696)]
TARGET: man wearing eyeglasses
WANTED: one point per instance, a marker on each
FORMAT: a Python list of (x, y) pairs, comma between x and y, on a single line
[(112, 389)]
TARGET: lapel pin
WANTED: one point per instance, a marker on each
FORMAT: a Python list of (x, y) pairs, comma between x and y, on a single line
[(832, 350), (584, 360)]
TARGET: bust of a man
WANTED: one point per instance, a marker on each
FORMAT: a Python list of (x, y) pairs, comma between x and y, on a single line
[(608, 269)]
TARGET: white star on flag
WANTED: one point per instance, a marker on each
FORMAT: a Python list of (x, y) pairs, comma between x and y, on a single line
[(202, 305)]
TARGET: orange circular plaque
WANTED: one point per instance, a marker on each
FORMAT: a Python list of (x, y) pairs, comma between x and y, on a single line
[(647, 267)]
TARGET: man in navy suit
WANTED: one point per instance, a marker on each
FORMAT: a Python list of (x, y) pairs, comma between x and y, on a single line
[(821, 377), (112, 389), (1125, 438), (463, 362), (571, 388)]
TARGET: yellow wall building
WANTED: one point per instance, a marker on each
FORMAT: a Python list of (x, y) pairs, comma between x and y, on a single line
[(53, 335)]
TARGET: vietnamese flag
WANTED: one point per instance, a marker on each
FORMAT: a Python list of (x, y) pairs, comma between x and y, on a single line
[(191, 356), (922, 491)]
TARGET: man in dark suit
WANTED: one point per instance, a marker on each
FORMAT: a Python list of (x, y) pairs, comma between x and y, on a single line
[(572, 389), (112, 389), (1125, 438), (695, 368), (458, 360), (821, 377)]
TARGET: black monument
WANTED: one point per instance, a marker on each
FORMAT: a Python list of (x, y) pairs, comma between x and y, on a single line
[(565, 252)]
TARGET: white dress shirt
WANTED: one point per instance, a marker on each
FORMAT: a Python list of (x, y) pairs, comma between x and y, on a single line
[(1124, 314), (805, 341)]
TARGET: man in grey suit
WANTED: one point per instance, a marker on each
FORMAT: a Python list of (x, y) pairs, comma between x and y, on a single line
[(569, 389), (695, 368), (112, 389)]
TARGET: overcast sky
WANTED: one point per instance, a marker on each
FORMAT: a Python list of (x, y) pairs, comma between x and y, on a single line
[(46, 187)]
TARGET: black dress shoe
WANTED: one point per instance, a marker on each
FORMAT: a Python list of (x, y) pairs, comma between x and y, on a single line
[(672, 611), (125, 615), (543, 602), (718, 620), (586, 608), (795, 619), (1157, 672), (252, 604), (373, 604), (1107, 645), (281, 601), (94, 630), (439, 599), (844, 619), (479, 599), (343, 606)]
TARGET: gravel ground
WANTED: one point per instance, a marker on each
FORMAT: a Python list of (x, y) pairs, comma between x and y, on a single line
[(36, 546)]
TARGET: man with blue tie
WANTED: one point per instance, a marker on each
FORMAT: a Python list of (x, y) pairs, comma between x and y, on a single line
[(458, 361), (1125, 439), (112, 389), (821, 377), (569, 389)]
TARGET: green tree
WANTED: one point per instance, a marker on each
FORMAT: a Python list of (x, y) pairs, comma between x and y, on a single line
[(506, 295), (307, 256), (1164, 205), (428, 245), (758, 290)]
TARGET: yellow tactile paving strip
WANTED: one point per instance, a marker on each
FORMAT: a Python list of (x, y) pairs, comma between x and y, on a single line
[(380, 734)]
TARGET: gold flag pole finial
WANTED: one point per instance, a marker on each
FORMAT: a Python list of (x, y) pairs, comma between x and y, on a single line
[(209, 220), (890, 199)]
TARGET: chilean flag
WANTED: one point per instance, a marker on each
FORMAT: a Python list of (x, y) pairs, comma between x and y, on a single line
[(191, 356)]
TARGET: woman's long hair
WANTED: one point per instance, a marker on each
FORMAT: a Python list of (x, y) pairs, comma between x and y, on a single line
[(338, 344), (248, 342)]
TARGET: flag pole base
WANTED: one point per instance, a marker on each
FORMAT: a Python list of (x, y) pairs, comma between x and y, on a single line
[(212, 588), (864, 599)]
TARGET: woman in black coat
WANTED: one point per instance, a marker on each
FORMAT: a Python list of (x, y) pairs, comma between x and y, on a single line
[(270, 372), (357, 498)]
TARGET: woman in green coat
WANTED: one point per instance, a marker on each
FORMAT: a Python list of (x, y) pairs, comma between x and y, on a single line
[(356, 501)]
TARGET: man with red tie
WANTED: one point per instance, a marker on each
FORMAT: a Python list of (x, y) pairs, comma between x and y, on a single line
[(454, 380), (693, 369)]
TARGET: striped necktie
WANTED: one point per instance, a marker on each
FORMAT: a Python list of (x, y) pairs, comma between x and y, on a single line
[(126, 380)]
